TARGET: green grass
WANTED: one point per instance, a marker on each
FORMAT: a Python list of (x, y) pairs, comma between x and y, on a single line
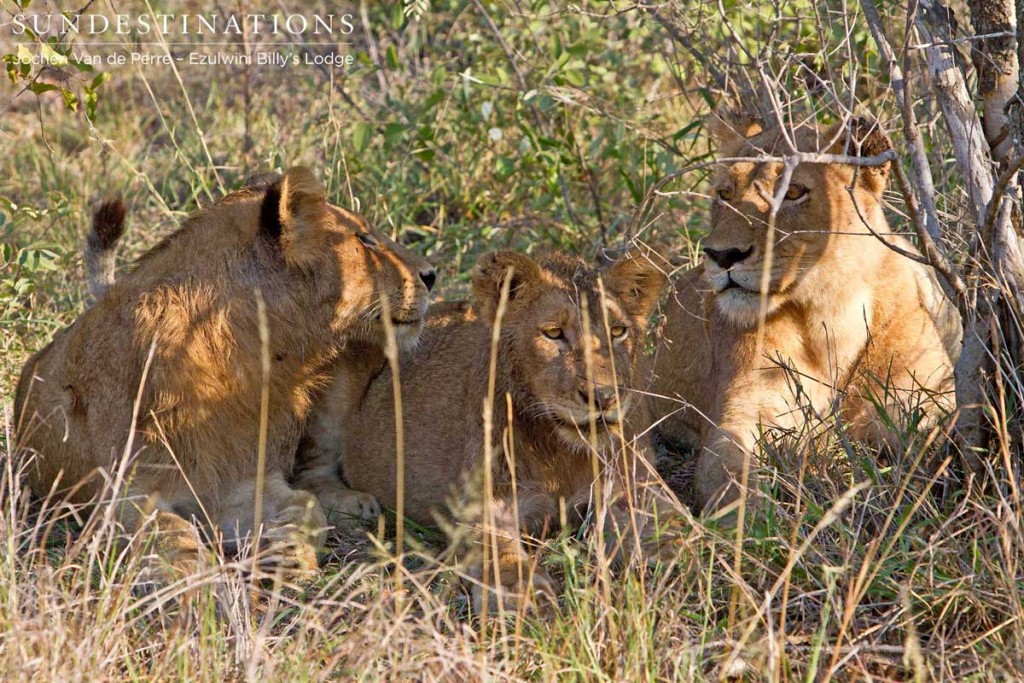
[(899, 580)]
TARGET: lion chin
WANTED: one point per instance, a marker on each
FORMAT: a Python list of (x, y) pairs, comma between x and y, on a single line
[(407, 333), (742, 307), (573, 427)]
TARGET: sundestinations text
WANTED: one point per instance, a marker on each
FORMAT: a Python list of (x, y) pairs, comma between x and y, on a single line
[(183, 24)]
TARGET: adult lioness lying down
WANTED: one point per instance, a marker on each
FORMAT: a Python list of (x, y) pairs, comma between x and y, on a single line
[(159, 383), (562, 372), (854, 320)]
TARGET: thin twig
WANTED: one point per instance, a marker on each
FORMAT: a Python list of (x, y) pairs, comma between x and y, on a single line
[(911, 132), (798, 158), (935, 258), (1002, 183)]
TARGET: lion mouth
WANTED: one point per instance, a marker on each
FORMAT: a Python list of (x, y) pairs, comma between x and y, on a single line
[(400, 322), (731, 284), (578, 421)]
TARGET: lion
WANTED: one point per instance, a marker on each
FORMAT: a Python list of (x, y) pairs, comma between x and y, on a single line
[(153, 399), (848, 320), (570, 362)]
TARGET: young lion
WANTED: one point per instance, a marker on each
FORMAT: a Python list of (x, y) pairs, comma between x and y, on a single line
[(160, 383), (561, 370), (854, 321)]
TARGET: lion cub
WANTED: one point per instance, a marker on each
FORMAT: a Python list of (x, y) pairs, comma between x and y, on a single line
[(159, 386), (564, 373), (856, 323)]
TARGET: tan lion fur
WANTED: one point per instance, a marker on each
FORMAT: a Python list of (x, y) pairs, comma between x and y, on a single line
[(189, 308), (848, 314), (444, 383)]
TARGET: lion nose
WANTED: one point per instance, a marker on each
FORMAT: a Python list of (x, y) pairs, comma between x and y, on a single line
[(604, 397), (429, 277), (727, 258)]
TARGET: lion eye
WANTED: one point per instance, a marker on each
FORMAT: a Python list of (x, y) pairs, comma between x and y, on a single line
[(553, 333), (368, 240), (725, 194), (618, 331), (795, 192)]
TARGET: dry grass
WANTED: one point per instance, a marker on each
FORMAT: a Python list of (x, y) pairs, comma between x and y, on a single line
[(859, 569)]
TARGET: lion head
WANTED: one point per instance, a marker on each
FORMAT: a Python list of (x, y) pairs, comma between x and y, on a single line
[(571, 336), (361, 275), (823, 210)]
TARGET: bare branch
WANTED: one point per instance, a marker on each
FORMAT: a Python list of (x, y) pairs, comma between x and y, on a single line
[(791, 159), (685, 41), (936, 258), (1005, 182), (911, 132), (969, 145), (995, 60)]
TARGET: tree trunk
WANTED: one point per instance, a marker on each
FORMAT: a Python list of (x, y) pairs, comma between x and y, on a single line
[(988, 156), (995, 60)]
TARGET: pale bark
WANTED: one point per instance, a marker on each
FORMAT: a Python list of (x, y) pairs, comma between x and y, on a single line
[(995, 60), (923, 211), (959, 114), (995, 206), (918, 153)]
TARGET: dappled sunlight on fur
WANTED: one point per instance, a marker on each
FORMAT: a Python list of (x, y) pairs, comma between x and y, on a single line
[(557, 385), (849, 323), (152, 397)]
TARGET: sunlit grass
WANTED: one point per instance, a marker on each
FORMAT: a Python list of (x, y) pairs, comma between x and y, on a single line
[(857, 566)]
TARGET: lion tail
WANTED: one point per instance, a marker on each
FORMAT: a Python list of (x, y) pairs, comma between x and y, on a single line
[(107, 228)]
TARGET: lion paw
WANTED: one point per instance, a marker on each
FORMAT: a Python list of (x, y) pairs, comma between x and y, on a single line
[(294, 536), (176, 552), (346, 507), (300, 514), (290, 553), (537, 593)]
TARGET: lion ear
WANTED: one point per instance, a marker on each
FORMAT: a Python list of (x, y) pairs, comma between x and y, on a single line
[(292, 214), (490, 273), (731, 128), (636, 281), (861, 137)]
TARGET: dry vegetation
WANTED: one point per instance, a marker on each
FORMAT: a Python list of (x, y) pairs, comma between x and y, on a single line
[(533, 125)]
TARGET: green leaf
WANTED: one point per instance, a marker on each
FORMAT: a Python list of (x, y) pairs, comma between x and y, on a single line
[(571, 77), (504, 167), (100, 79), (634, 191), (433, 100), (362, 135), (39, 88), (393, 133), (53, 57), (83, 67), (90, 103), (685, 130), (392, 57), (70, 100), (36, 259)]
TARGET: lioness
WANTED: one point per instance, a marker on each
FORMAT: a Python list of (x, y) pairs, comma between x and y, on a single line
[(854, 321), (159, 384), (562, 371)]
